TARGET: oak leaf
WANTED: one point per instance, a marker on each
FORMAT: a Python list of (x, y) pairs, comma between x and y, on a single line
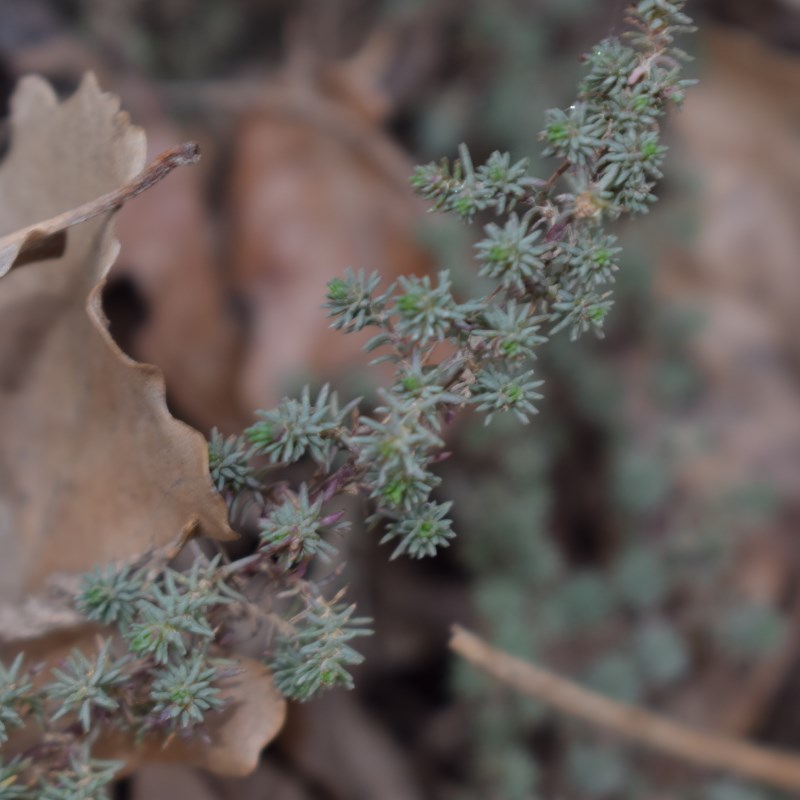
[(93, 467), (315, 186)]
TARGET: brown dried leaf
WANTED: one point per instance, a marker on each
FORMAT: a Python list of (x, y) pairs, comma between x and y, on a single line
[(315, 188), (739, 130), (93, 467), (168, 253), (342, 747), (47, 239), (166, 782), (281, 782)]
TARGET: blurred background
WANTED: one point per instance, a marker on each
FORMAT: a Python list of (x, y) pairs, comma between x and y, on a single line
[(640, 535)]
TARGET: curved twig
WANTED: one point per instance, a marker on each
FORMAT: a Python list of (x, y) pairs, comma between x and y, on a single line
[(778, 769)]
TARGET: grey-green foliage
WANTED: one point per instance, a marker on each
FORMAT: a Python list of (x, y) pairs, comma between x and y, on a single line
[(12, 785), (166, 616), (84, 779), (640, 605), (498, 390), (87, 685), (396, 447), (352, 301), (79, 778), (513, 254), (661, 652), (512, 330), (640, 578), (535, 605), (300, 427), (167, 619), (294, 531), (583, 600), (229, 461), (108, 594), (426, 313), (423, 533), (419, 384), (726, 789), (459, 188), (183, 693), (547, 260), (315, 654), (156, 675), (15, 696), (749, 631), (597, 771), (616, 675)]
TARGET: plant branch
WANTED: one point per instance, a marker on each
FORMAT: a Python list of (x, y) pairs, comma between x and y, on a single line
[(778, 769), (550, 182), (46, 239)]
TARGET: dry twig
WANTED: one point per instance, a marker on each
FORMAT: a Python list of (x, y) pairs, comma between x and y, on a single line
[(45, 239), (781, 770)]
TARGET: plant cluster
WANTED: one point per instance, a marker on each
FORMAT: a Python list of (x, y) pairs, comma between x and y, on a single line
[(546, 261), (159, 677)]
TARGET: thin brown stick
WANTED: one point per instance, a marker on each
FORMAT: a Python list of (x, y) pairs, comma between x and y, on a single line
[(781, 770), (34, 241), (550, 182)]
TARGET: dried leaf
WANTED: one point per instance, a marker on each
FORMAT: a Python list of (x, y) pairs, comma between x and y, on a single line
[(283, 782), (165, 782), (739, 130), (314, 188), (93, 467), (168, 253), (342, 747), (47, 239)]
